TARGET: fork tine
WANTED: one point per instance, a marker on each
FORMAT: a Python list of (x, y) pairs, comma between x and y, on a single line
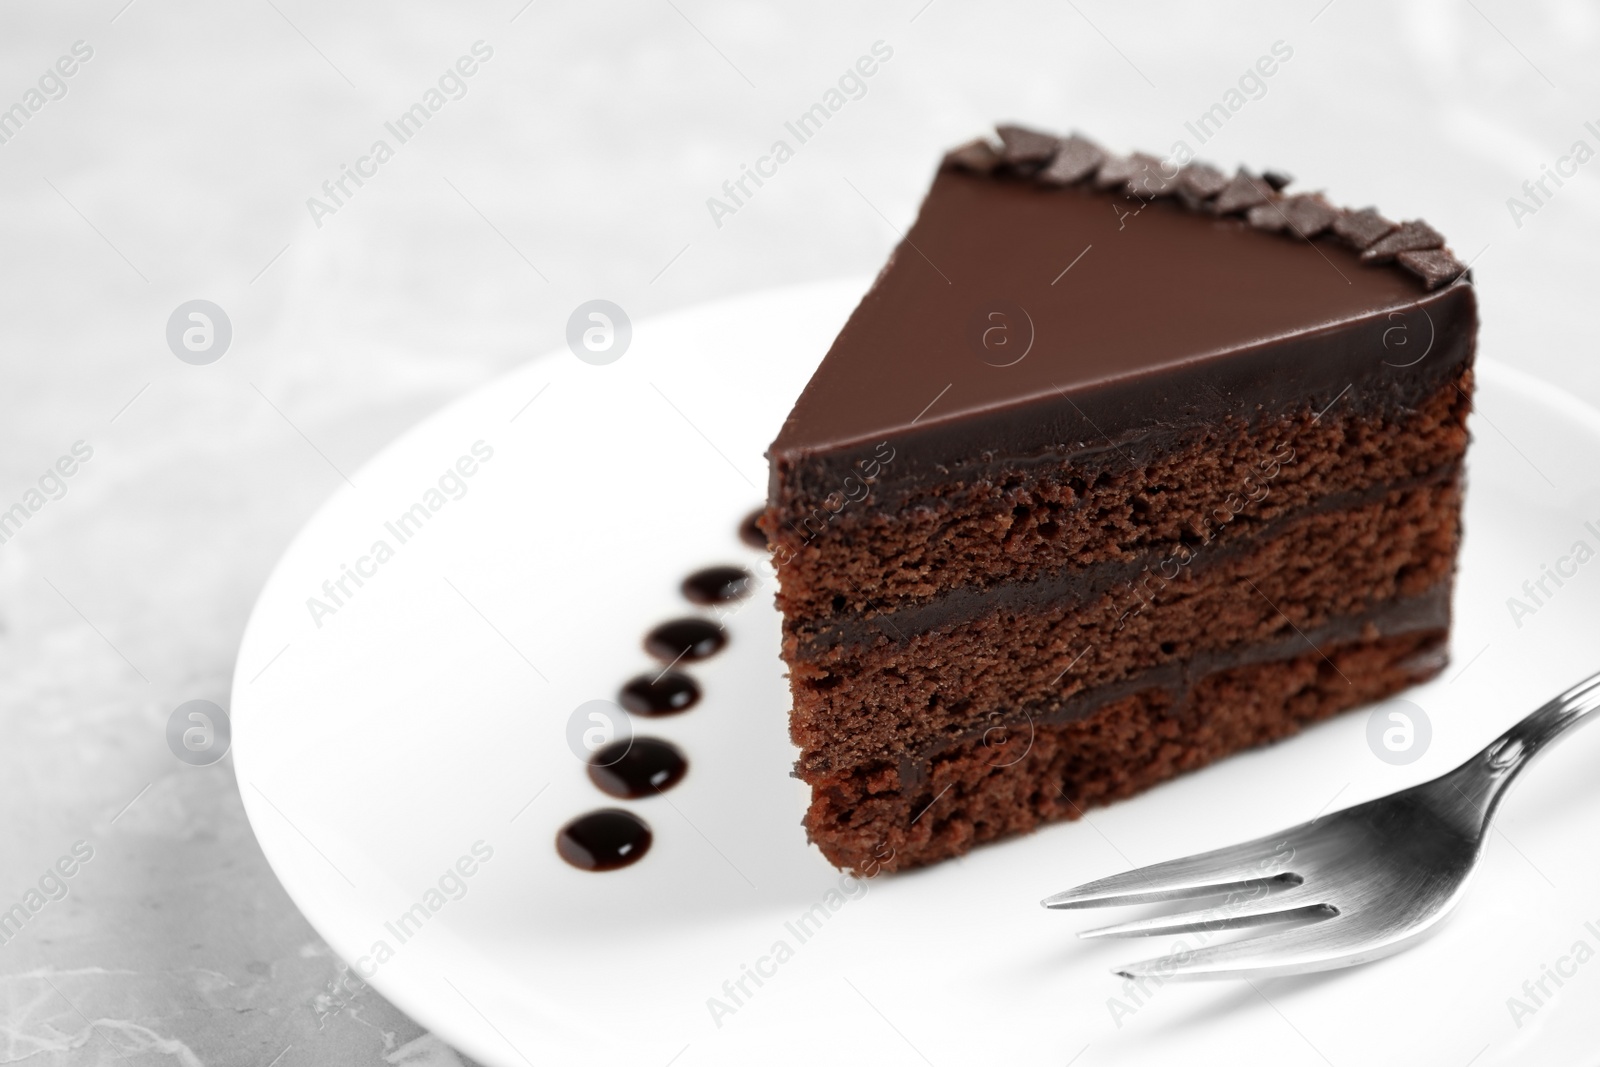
[(1263, 862), (1264, 909), (1316, 947)]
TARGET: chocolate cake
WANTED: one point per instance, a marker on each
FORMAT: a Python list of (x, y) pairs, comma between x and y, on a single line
[(1119, 467)]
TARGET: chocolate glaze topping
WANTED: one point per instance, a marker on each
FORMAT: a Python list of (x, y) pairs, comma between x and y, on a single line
[(1136, 304)]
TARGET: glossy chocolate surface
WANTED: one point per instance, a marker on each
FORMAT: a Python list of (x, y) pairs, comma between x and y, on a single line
[(685, 640), (663, 693), (1120, 320), (604, 840), (717, 585), (637, 767), (750, 533)]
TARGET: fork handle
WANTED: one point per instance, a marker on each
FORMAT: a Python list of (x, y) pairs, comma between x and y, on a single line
[(1505, 757)]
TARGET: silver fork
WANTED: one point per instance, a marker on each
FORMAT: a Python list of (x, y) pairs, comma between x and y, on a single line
[(1358, 885)]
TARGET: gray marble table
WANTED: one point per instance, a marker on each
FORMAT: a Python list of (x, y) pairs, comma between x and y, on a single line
[(170, 150)]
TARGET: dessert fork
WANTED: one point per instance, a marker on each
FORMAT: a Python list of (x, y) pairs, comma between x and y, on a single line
[(1358, 885)]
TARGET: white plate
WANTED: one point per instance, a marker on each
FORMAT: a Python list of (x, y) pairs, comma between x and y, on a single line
[(429, 713)]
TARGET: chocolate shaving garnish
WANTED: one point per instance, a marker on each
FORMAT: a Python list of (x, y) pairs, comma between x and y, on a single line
[(1435, 266), (1413, 236), (1416, 246), (977, 156), (1268, 216), (1152, 180), (1025, 148), (1115, 171), (1202, 181), (1241, 192), (1076, 159), (1362, 228), (1308, 215)]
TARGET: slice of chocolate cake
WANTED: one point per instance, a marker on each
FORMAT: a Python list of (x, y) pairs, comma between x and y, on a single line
[(1118, 468)]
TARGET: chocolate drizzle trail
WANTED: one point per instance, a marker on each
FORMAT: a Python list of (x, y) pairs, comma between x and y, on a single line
[(1050, 160), (644, 766)]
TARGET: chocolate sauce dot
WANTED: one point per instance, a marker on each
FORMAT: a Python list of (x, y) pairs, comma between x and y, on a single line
[(750, 533), (664, 694), (640, 767), (688, 639), (717, 585), (604, 840)]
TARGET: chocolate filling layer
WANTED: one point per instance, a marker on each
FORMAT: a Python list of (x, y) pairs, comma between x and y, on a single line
[(862, 704), (873, 821), (1074, 584), (1032, 522), (1430, 611)]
